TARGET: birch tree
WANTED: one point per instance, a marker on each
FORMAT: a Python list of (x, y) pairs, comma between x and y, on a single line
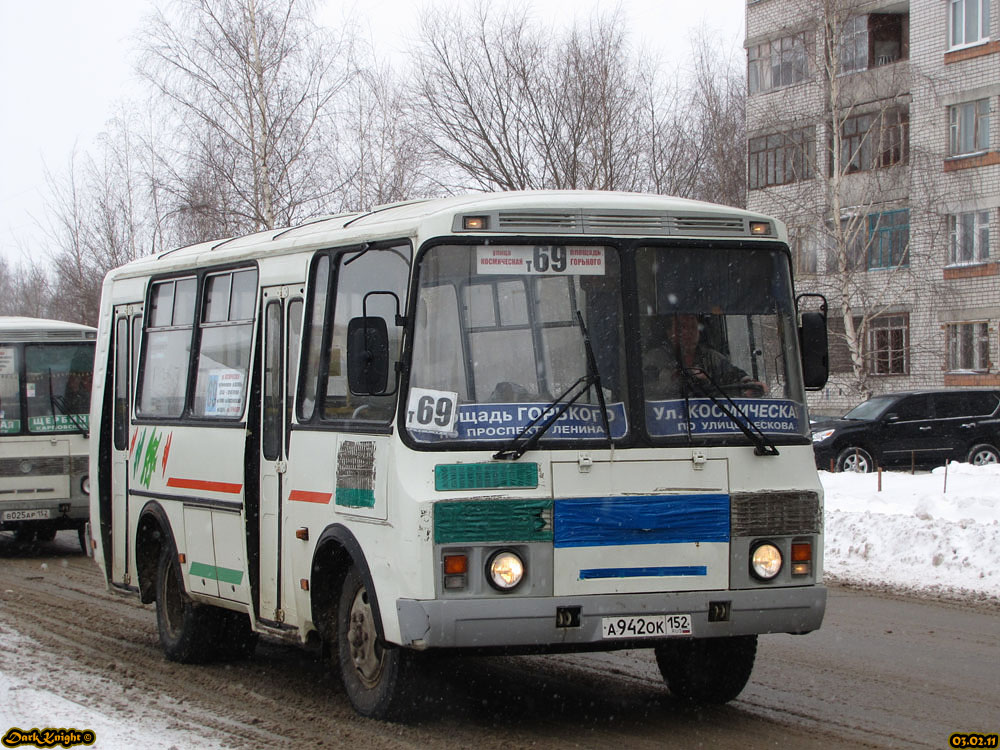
[(251, 85)]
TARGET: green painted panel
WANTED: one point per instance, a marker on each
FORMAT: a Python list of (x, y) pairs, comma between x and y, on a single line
[(222, 575), (485, 476), (355, 498), (470, 521)]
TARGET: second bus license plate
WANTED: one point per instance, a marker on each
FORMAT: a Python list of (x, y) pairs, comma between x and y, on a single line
[(645, 626), (25, 515)]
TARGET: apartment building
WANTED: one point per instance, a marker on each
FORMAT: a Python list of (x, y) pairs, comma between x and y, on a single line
[(874, 133)]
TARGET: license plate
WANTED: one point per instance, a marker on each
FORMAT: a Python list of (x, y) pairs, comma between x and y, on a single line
[(26, 515), (645, 626)]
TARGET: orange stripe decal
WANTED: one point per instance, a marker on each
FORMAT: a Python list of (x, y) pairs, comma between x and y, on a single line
[(303, 496), (202, 484)]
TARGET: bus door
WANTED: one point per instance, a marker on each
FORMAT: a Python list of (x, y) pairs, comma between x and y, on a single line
[(127, 329), (282, 320)]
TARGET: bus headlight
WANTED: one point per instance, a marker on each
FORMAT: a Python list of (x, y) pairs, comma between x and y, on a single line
[(504, 570), (765, 561), (85, 485)]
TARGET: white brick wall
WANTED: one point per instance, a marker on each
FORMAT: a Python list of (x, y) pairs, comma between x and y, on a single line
[(929, 81)]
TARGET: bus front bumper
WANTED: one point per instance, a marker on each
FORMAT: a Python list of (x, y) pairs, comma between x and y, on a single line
[(534, 623)]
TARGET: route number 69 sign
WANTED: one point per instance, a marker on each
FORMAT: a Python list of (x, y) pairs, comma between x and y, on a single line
[(432, 411)]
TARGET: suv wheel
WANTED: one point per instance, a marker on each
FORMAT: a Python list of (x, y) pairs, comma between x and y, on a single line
[(983, 454), (855, 459)]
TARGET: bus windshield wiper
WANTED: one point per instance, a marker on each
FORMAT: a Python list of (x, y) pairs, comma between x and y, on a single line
[(762, 444), (519, 445), (60, 403)]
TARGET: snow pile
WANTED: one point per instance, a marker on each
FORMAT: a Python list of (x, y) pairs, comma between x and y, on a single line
[(936, 532)]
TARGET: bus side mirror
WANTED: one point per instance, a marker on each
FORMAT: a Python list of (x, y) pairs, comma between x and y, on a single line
[(815, 350), (367, 356)]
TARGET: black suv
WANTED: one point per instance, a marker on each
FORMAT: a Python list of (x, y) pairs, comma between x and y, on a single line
[(914, 428)]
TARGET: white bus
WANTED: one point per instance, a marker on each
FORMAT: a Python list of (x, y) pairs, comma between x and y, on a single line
[(438, 425), (45, 382)]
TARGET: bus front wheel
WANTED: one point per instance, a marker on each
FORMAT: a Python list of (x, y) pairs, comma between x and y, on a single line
[(187, 630), (707, 670), (378, 678)]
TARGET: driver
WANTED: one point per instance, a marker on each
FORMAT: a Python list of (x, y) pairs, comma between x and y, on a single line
[(662, 370)]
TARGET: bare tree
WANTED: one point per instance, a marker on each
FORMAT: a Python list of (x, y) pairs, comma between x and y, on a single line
[(717, 111), (515, 106), (252, 84), (381, 158)]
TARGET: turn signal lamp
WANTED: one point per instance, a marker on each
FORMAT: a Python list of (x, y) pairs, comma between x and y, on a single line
[(760, 228), (455, 569), (801, 558)]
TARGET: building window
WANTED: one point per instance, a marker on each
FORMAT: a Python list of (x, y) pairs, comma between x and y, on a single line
[(969, 237), (888, 342), (854, 45), (889, 239), (969, 131), (778, 63), (969, 347), (969, 21), (874, 141), (781, 158), (805, 255)]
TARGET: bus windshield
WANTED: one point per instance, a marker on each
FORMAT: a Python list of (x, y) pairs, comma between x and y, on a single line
[(718, 334), (497, 342), (57, 386), (498, 339)]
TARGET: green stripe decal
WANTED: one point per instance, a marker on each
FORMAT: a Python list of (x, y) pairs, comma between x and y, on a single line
[(222, 575), (485, 476), (471, 521), (355, 498)]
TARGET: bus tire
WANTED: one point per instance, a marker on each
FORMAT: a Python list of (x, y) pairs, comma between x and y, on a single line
[(378, 678), (45, 533), (707, 670), (188, 631), (237, 639), (25, 533)]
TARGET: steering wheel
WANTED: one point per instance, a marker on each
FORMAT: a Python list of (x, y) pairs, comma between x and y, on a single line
[(749, 389)]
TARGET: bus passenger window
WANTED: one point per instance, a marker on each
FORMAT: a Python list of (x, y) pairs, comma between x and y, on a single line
[(167, 348), (224, 349)]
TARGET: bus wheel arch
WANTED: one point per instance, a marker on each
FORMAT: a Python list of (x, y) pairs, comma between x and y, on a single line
[(337, 551), (152, 533)]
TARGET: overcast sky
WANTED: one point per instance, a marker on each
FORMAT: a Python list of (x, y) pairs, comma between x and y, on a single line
[(66, 64)]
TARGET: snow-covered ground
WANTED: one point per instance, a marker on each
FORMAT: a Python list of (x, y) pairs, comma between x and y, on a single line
[(935, 533)]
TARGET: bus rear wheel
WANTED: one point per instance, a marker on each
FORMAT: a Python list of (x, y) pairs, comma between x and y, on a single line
[(707, 670), (378, 678), (188, 631)]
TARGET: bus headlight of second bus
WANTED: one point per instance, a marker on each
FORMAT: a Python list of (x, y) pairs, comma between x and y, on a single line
[(85, 485), (504, 570), (765, 561)]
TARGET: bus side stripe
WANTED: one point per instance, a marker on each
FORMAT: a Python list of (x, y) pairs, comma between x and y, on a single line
[(304, 496), (223, 575), (205, 485)]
